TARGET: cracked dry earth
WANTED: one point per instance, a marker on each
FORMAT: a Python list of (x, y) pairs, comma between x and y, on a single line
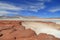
[(14, 30)]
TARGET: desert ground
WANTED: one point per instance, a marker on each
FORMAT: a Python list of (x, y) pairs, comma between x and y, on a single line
[(29, 30)]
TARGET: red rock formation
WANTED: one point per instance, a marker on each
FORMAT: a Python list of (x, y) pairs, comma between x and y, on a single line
[(43, 36), (30, 38), (13, 30), (24, 34)]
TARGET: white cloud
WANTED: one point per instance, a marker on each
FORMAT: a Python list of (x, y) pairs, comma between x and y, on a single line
[(30, 7), (5, 6), (3, 13), (33, 6), (45, 0), (9, 6), (37, 7), (6, 12), (54, 9)]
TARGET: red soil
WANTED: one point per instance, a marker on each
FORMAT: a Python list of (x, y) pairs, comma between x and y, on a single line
[(13, 30)]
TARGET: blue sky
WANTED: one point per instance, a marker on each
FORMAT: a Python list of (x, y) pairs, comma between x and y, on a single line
[(38, 8)]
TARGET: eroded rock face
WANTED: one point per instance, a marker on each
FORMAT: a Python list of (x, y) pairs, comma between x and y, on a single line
[(14, 30), (24, 34), (43, 36), (43, 27)]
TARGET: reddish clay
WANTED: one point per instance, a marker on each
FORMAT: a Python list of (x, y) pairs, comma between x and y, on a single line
[(14, 30), (24, 33), (43, 36)]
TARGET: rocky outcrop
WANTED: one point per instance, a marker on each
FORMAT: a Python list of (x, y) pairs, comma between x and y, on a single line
[(14, 30), (43, 27), (43, 36)]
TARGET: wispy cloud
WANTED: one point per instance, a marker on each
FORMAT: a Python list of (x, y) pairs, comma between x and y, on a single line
[(45, 0), (40, 4), (5, 6), (2, 13), (55, 9), (30, 6), (34, 7)]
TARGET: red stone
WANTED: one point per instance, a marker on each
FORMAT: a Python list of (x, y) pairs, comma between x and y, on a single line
[(43, 36), (24, 34)]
